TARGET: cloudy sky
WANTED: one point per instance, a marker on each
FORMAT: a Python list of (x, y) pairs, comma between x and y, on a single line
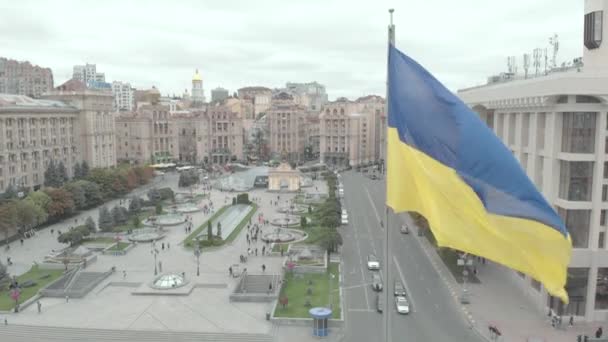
[(237, 43)]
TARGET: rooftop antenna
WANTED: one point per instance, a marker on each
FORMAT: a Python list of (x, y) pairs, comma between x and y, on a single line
[(537, 54), (554, 42), (546, 59), (526, 64), (512, 65)]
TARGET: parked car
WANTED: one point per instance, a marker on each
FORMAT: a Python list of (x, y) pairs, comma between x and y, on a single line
[(379, 302), (376, 282), (372, 262), (405, 229), (403, 306), (399, 289), (344, 219)]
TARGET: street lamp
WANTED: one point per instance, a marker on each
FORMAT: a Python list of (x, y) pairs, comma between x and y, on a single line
[(154, 252), (197, 253), (464, 260), (331, 302)]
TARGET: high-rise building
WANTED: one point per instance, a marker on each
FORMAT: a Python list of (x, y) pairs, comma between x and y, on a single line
[(95, 120), (198, 93), (88, 73), (312, 93), (219, 94), (23, 78), (32, 133), (124, 97), (555, 125), (352, 132), (287, 128), (259, 97)]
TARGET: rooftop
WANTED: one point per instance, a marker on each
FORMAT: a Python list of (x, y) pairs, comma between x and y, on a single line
[(10, 101)]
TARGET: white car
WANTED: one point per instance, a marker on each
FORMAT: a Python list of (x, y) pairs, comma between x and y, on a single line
[(372, 262), (403, 306), (344, 219)]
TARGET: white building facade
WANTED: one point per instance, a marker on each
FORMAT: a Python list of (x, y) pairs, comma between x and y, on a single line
[(124, 98), (556, 126)]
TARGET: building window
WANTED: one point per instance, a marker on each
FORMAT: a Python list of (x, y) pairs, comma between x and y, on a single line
[(540, 130), (601, 240), (601, 290), (593, 29), (604, 192), (577, 222), (576, 286), (603, 217), (578, 130), (575, 180)]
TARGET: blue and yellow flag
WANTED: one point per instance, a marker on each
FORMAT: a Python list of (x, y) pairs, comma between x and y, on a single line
[(446, 164)]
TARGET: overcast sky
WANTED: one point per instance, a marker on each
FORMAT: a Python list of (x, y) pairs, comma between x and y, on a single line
[(238, 43)]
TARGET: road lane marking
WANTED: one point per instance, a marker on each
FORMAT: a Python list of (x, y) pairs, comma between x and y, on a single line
[(407, 288), (355, 228), (369, 197), (360, 310)]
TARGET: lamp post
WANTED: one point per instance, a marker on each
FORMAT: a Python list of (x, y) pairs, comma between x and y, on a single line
[(331, 279), (154, 252), (197, 253), (464, 260)]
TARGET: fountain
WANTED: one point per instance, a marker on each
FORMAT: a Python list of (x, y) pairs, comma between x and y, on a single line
[(165, 220), (187, 208), (286, 221), (282, 235), (147, 235)]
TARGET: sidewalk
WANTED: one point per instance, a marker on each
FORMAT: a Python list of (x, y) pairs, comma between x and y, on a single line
[(499, 301)]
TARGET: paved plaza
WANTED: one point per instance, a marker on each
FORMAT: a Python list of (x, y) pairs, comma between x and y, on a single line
[(111, 304)]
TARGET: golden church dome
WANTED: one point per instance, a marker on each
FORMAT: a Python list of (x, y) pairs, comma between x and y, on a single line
[(197, 76)]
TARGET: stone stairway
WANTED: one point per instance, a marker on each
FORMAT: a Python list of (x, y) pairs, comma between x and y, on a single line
[(258, 283), (25, 333)]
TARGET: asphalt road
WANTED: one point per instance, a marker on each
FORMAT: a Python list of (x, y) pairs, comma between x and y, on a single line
[(434, 317)]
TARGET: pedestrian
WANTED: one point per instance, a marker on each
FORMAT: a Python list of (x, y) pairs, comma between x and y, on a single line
[(21, 240), (52, 231), (39, 306), (256, 252), (263, 250), (124, 274), (599, 332), (168, 246), (269, 288), (281, 251), (230, 269), (67, 299), (263, 268), (571, 321), (162, 246)]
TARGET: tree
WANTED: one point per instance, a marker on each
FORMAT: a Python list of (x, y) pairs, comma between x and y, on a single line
[(154, 195), (92, 193), (90, 224), (40, 198), (84, 169), (118, 215), (61, 204), (136, 221), (4, 276), (330, 240), (188, 178), (78, 195), (77, 171), (159, 208), (219, 230), (8, 218), (105, 221), (29, 214), (10, 192), (209, 231), (50, 175), (303, 222), (62, 173), (243, 198), (135, 205)]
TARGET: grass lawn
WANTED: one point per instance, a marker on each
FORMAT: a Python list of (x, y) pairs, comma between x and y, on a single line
[(143, 215), (189, 241), (119, 246), (35, 274), (314, 235), (277, 247), (99, 240), (295, 288)]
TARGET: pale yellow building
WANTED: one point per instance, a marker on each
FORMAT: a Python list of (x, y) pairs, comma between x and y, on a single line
[(96, 140), (32, 133), (287, 126)]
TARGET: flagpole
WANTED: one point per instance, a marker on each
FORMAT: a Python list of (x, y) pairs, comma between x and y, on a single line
[(386, 310)]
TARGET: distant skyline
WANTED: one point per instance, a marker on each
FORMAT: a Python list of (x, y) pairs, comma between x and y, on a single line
[(243, 43)]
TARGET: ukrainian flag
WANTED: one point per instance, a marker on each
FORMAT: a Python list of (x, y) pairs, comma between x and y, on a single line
[(446, 164)]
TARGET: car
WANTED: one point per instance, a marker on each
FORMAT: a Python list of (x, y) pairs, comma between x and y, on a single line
[(374, 177), (344, 219), (402, 305), (379, 303), (405, 229), (372, 262), (399, 289), (376, 282)]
